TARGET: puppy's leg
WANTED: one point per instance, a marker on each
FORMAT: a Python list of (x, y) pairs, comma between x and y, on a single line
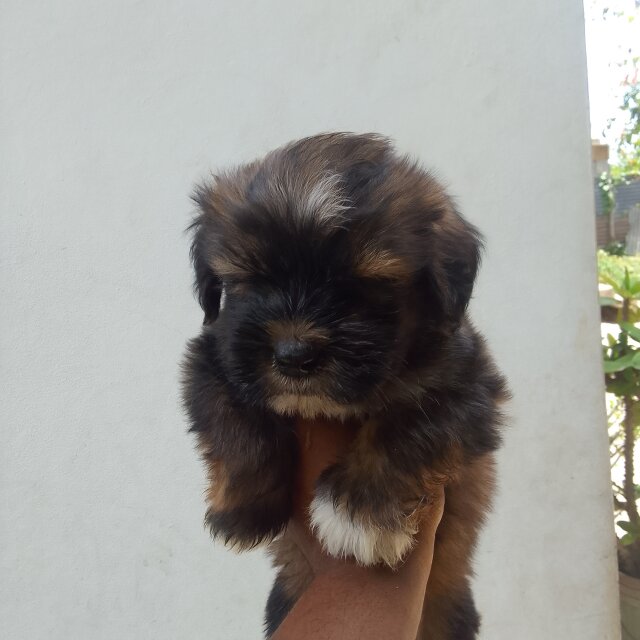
[(250, 454), (464, 622), (449, 612), (451, 617), (294, 576), (250, 485), (279, 603), (366, 506)]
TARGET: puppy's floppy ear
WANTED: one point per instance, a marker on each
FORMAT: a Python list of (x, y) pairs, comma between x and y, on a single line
[(450, 279), (207, 285), (461, 267)]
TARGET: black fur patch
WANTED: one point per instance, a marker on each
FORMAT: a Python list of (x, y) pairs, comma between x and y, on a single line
[(465, 621), (278, 607)]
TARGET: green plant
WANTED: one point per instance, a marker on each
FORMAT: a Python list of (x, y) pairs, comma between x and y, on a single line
[(606, 189), (611, 269), (622, 377), (628, 165), (615, 248)]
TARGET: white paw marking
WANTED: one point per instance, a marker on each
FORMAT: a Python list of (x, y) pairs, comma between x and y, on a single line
[(341, 537)]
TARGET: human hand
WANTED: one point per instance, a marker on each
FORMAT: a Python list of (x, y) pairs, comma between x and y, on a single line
[(321, 443), (345, 600)]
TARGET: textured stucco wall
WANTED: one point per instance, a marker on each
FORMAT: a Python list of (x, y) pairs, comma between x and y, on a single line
[(109, 112)]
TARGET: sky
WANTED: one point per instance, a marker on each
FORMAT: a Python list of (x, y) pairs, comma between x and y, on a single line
[(611, 39)]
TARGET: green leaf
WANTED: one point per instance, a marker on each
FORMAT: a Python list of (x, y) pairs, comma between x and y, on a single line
[(632, 330), (632, 531), (615, 285), (627, 539), (627, 526), (619, 364), (628, 286)]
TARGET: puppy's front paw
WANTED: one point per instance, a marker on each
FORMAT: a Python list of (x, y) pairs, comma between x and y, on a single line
[(245, 525), (344, 534), (240, 530)]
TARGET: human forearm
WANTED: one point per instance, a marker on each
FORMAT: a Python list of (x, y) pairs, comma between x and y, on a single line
[(348, 601)]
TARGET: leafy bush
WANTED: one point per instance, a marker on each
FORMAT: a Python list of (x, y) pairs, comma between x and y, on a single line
[(622, 376), (615, 248), (612, 267)]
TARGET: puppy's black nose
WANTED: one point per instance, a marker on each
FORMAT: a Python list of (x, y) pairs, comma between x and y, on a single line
[(295, 357)]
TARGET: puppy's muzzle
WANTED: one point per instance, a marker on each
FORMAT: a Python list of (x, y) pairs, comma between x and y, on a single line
[(296, 358)]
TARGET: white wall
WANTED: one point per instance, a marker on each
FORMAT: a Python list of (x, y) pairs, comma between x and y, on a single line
[(110, 111)]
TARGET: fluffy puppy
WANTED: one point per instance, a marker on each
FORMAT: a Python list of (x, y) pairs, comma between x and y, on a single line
[(334, 276)]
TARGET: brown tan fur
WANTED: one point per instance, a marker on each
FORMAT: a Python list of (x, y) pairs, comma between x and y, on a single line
[(467, 502), (218, 493), (379, 263), (294, 571)]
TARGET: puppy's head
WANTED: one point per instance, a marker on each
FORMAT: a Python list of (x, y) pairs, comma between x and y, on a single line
[(328, 269)]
